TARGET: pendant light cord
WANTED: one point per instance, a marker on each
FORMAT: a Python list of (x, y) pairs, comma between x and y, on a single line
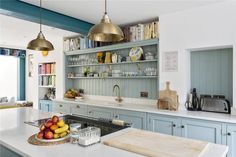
[(105, 6), (40, 15)]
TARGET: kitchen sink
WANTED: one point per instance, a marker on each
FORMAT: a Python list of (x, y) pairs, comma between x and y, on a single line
[(105, 125)]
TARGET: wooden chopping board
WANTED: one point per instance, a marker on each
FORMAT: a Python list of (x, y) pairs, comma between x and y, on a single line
[(169, 95), (157, 145)]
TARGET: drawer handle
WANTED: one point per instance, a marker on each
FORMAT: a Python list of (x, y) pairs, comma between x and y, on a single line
[(78, 106), (173, 125), (60, 105), (228, 134), (182, 126)]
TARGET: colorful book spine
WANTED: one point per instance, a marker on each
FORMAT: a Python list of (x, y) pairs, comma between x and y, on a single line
[(48, 68)]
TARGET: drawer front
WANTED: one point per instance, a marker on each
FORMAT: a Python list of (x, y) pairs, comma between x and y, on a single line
[(98, 112), (61, 108), (79, 109)]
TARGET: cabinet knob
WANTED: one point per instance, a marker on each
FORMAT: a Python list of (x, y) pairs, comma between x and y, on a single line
[(78, 106), (182, 126), (173, 125), (228, 134), (90, 112), (60, 105), (116, 116)]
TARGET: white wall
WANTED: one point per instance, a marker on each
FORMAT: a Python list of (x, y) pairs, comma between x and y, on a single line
[(32, 92), (203, 27), (16, 33)]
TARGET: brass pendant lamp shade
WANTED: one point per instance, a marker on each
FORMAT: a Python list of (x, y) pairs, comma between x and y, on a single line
[(40, 43), (106, 31)]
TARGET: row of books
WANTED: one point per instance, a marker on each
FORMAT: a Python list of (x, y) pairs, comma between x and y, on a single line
[(141, 31), (47, 68), (47, 81), (78, 43), (12, 52)]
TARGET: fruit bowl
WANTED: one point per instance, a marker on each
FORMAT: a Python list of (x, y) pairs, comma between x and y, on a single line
[(53, 130), (52, 140)]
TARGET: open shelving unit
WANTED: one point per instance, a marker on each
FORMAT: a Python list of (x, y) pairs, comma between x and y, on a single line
[(103, 85), (46, 82)]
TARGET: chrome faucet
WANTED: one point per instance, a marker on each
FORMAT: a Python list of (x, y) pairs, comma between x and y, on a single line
[(119, 99)]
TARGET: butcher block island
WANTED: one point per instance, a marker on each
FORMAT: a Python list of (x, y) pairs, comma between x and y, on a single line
[(129, 142)]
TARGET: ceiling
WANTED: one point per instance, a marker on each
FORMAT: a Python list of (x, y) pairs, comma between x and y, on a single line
[(120, 11), (16, 32)]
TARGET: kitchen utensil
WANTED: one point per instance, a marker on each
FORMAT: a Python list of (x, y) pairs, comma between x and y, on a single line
[(151, 71), (74, 129), (215, 104), (151, 144), (135, 53), (114, 58), (108, 57), (100, 57), (193, 103), (89, 136), (149, 56), (168, 99)]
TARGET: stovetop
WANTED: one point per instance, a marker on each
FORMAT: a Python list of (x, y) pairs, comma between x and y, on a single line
[(106, 125)]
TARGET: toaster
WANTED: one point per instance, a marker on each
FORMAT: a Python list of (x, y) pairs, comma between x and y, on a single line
[(215, 104)]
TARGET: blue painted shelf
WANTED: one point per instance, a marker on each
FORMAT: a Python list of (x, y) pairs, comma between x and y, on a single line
[(113, 47)]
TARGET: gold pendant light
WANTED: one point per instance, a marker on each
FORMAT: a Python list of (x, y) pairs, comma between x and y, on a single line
[(40, 43), (106, 31)]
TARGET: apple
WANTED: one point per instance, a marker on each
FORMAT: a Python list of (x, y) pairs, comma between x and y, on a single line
[(48, 124), (53, 127), (48, 135), (40, 135), (55, 119)]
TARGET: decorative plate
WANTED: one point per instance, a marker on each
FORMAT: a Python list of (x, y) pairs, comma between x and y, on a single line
[(52, 140), (135, 53)]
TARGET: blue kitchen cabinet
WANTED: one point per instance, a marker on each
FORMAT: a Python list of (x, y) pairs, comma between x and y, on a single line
[(100, 112), (138, 119), (79, 109), (6, 152), (231, 140), (202, 130), (164, 124), (45, 105)]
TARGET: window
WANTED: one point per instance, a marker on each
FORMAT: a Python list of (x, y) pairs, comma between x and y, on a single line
[(9, 76)]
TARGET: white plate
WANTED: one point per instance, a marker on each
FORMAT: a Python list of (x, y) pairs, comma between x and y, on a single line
[(52, 140), (135, 53)]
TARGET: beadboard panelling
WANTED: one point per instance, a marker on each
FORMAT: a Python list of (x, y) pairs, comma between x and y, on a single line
[(212, 72), (129, 87)]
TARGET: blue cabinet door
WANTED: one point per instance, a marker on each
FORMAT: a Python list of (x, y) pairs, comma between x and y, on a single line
[(164, 124), (202, 130), (99, 112), (5, 152), (138, 119), (231, 140), (45, 105)]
